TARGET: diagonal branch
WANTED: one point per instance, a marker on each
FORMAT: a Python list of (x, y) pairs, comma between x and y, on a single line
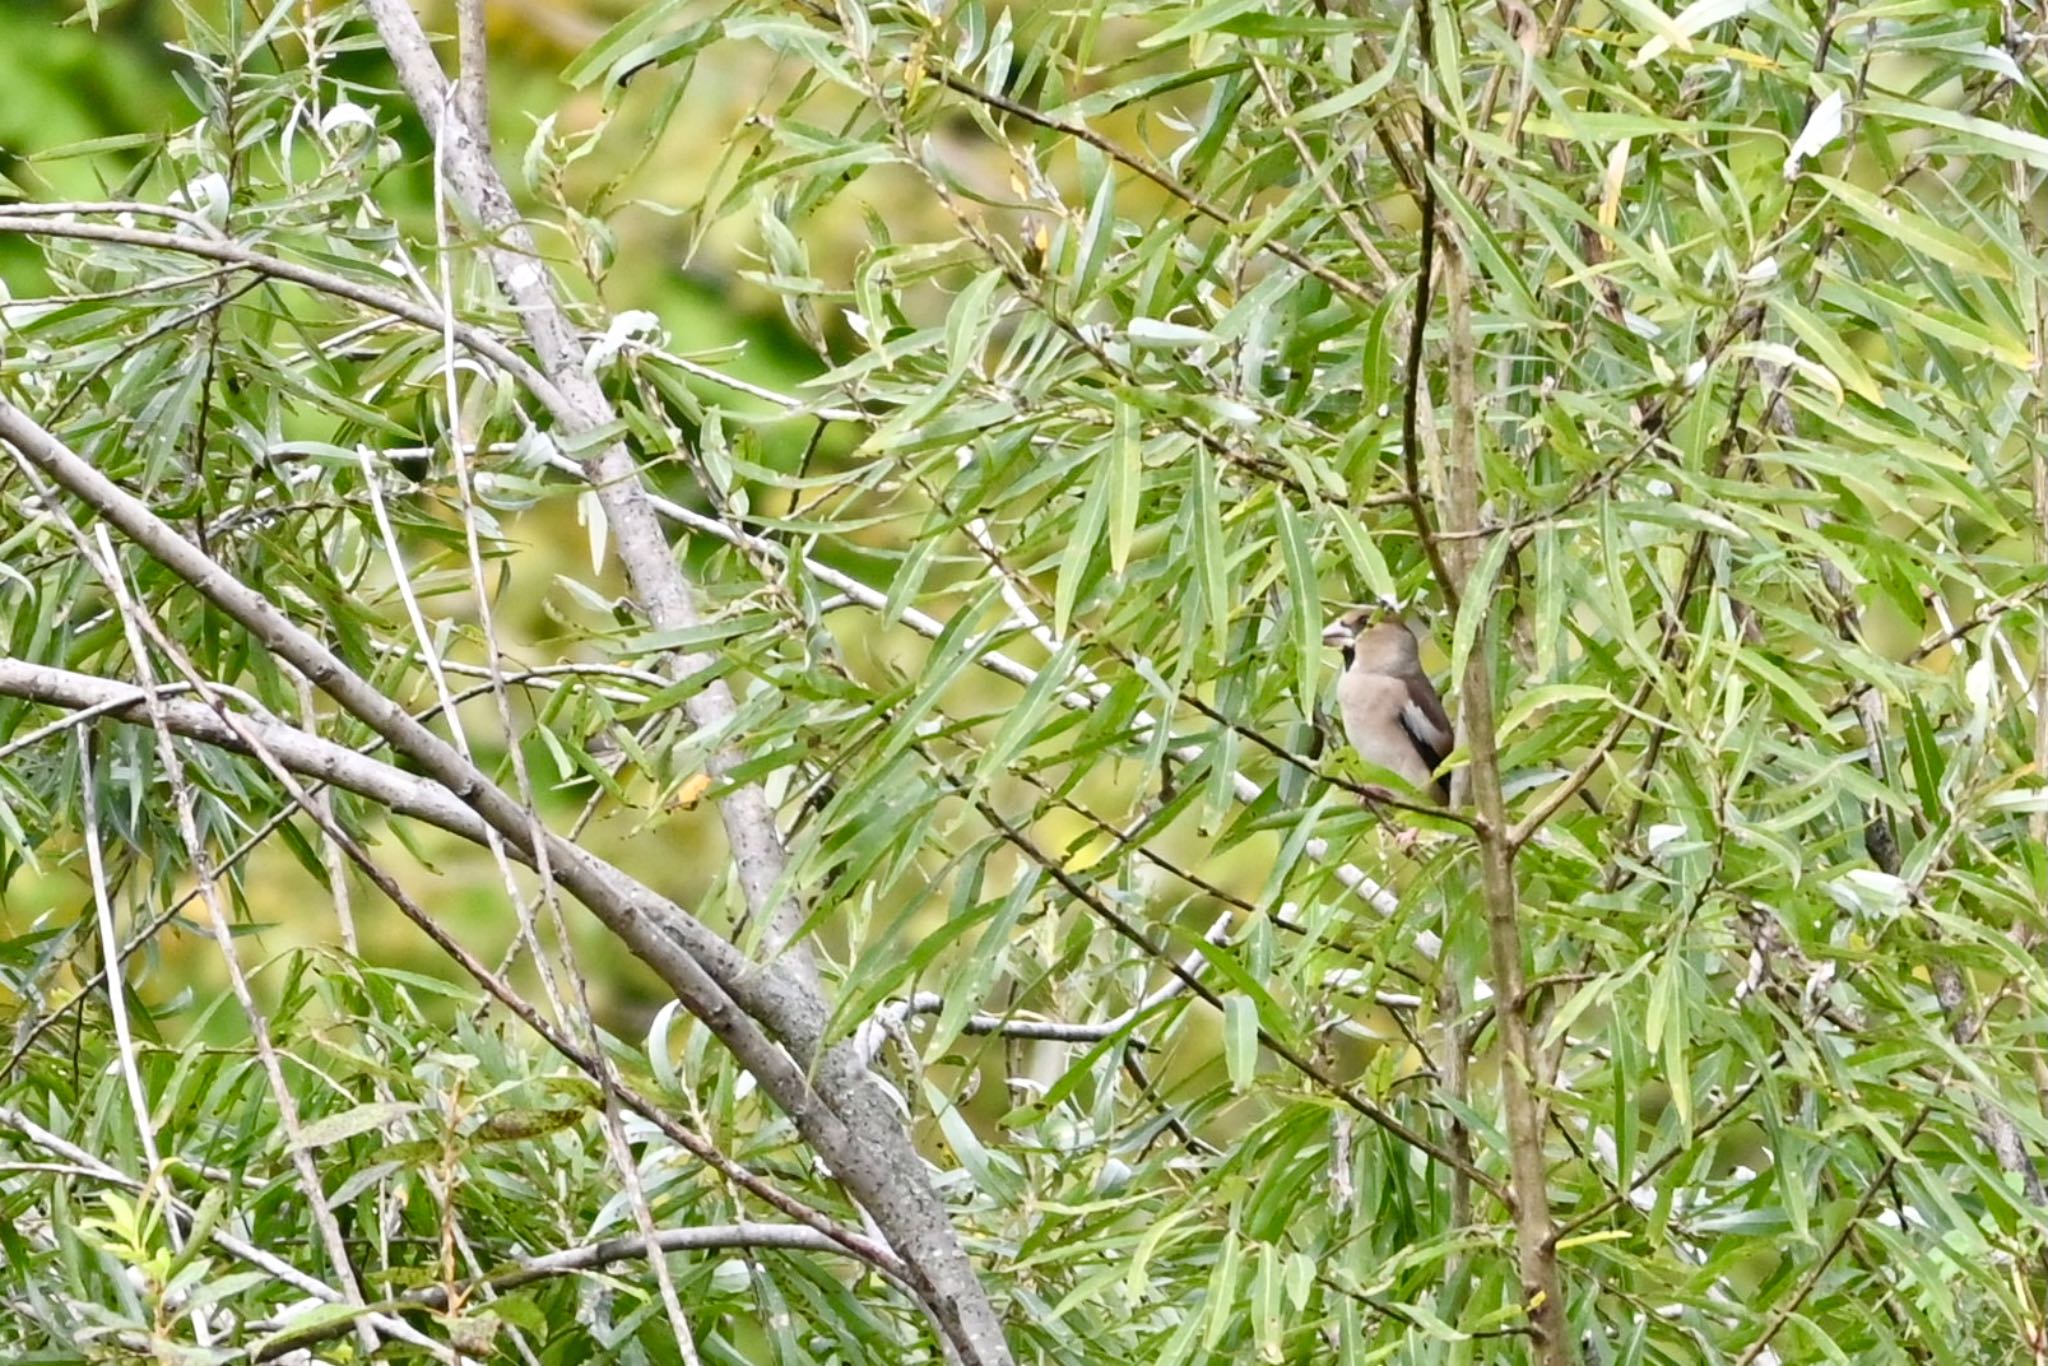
[(711, 977), (402, 793), (1082, 893)]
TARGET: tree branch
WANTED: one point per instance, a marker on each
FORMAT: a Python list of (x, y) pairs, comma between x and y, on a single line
[(1080, 891), (1535, 1233), (1418, 328)]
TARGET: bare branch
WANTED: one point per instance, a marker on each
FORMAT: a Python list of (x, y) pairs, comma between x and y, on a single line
[(872, 1033), (1415, 391), (89, 697), (473, 86)]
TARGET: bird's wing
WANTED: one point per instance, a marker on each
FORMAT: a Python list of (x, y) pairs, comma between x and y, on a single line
[(1377, 722), (1422, 716)]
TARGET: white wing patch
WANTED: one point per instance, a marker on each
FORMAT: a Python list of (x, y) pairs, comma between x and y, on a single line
[(1422, 728)]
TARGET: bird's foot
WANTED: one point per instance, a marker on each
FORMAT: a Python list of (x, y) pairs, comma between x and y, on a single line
[(1404, 836)]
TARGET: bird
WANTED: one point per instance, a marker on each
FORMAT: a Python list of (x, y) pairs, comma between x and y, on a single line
[(1392, 714)]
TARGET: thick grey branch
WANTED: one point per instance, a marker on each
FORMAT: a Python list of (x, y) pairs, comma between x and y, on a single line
[(709, 975), (307, 755), (879, 1164)]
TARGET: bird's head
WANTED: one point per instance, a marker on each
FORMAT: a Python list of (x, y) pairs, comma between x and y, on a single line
[(1378, 640)]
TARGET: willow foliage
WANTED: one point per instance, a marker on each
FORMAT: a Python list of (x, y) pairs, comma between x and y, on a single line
[(1679, 374)]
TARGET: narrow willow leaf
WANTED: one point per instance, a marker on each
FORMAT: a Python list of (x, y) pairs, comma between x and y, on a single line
[(1080, 551), (1210, 563), (1354, 95), (909, 577), (1199, 19), (1894, 220), (1020, 725), (1887, 303), (1250, 989), (966, 989), (1135, 1280), (1366, 557), (1301, 1280), (1159, 335), (1828, 348), (968, 323), (1677, 1040), (1928, 763), (331, 1129), (993, 1174), (1376, 362), (1495, 259), (1095, 240), (1266, 1315), (1126, 475), (1304, 605), (622, 38), (1994, 137), (1476, 603), (1240, 1041), (1224, 1306)]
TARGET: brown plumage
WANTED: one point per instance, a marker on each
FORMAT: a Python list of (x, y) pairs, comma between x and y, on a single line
[(1392, 714)]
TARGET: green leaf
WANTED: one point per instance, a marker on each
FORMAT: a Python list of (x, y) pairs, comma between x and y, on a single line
[(1893, 220), (1828, 348), (332, 1129), (620, 39), (1020, 724), (1224, 1307), (1986, 134), (1158, 335), (1304, 605), (1198, 19), (1126, 475), (1366, 558), (1210, 563), (1923, 750), (1476, 603), (1080, 552), (1240, 1041)]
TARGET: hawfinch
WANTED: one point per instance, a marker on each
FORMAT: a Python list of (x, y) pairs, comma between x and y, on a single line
[(1392, 714)]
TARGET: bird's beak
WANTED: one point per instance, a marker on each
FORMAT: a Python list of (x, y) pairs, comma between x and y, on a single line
[(1337, 635)]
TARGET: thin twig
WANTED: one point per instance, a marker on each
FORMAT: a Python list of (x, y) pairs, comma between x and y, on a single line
[(1082, 893), (1788, 1308), (1418, 328)]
